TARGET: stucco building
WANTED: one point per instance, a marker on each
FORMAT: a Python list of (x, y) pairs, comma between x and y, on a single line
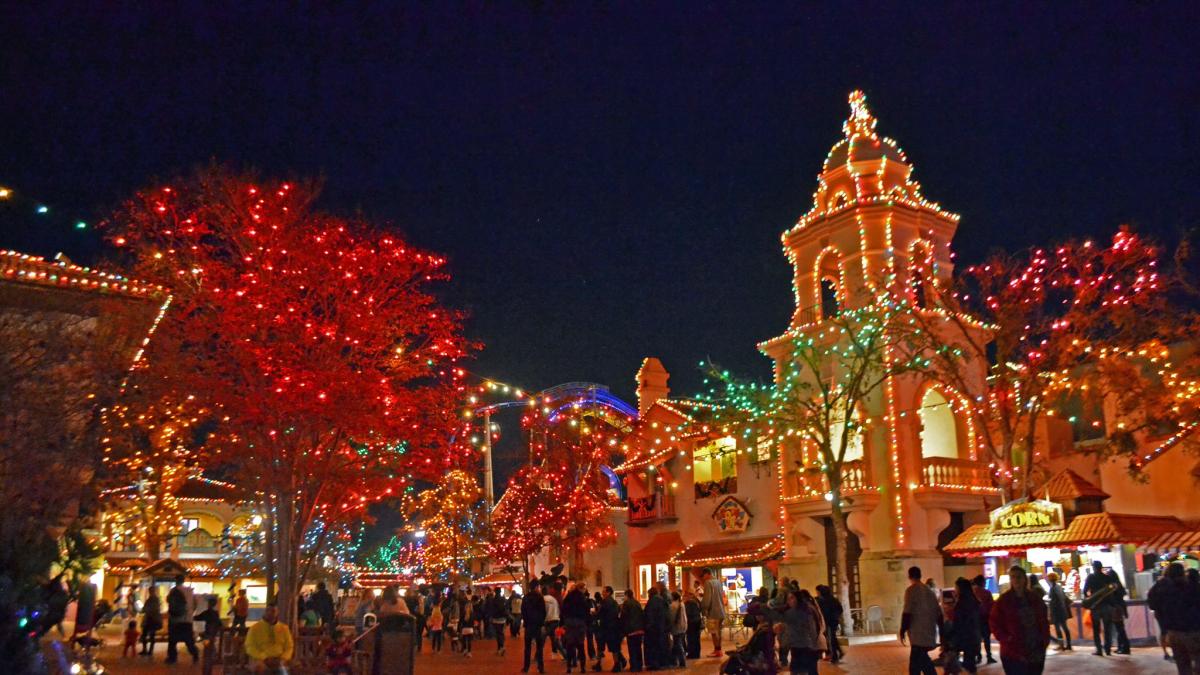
[(913, 480)]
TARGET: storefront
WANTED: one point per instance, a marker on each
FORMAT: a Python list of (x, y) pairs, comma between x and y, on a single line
[(1065, 534), (744, 565), (652, 563)]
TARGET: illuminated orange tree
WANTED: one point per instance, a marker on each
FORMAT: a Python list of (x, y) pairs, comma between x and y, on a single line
[(1059, 323), (453, 516), (318, 339), (561, 500), (150, 446)]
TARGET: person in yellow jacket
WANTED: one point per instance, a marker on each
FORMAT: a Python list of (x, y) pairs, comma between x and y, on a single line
[(269, 643)]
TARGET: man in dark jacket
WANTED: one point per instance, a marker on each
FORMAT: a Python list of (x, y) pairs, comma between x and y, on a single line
[(321, 602), (533, 615), (658, 628), (180, 607), (496, 611), (1176, 605), (633, 626), (608, 624)]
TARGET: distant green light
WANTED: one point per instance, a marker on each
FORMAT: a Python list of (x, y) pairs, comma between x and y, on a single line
[(43, 209), (81, 225)]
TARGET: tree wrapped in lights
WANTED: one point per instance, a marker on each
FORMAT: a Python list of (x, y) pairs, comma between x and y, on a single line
[(815, 403), (319, 340), (453, 515), (1044, 325), (561, 500), (150, 447)]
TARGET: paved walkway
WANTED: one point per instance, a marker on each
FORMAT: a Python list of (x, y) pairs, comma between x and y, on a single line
[(882, 658)]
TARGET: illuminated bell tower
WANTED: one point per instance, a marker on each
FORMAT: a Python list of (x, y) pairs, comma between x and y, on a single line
[(871, 231)]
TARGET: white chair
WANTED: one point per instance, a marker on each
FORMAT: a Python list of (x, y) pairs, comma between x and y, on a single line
[(875, 616)]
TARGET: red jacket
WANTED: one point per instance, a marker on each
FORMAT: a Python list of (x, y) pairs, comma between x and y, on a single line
[(1016, 640)]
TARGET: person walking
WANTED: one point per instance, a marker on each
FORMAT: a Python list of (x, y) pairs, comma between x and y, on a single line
[(658, 628), (1021, 627), (553, 620), (575, 617), (240, 610), (831, 612), (1095, 595), (608, 627), (695, 619), (496, 610), (712, 606), (533, 615), (801, 633), (920, 622), (181, 606), (1118, 611), (964, 635), (514, 611), (321, 602), (984, 596), (435, 628), (1060, 612), (151, 620), (679, 629), (633, 626), (1176, 604), (467, 624)]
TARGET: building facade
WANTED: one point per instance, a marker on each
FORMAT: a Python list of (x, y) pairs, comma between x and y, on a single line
[(913, 480)]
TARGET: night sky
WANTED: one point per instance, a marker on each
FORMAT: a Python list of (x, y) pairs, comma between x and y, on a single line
[(608, 180)]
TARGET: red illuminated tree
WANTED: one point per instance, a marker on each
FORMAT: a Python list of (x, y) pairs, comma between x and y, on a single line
[(1055, 324), (561, 500), (317, 339)]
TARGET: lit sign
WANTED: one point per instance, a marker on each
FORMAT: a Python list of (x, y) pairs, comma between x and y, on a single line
[(1034, 516)]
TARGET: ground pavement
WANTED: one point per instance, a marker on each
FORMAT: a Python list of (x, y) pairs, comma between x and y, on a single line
[(881, 658)]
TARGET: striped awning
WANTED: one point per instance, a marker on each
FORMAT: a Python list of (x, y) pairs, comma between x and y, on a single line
[(1169, 543)]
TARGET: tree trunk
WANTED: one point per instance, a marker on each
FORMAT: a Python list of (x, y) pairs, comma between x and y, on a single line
[(842, 562), (576, 561), (286, 554), (269, 549)]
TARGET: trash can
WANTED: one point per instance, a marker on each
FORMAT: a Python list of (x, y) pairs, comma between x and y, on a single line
[(395, 645)]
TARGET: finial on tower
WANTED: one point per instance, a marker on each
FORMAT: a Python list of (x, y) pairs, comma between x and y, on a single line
[(860, 122)]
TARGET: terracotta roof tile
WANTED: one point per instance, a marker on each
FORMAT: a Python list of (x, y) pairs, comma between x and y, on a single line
[(1069, 485), (1092, 528)]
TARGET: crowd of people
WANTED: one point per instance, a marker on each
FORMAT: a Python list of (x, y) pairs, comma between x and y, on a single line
[(791, 628), (962, 622)]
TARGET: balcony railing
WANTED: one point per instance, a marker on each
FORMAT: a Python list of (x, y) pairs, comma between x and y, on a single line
[(646, 510), (715, 488), (954, 474), (812, 482)]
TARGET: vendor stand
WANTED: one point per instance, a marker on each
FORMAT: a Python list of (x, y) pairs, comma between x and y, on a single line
[(1064, 533)]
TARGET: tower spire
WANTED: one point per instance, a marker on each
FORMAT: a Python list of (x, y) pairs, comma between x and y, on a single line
[(860, 122)]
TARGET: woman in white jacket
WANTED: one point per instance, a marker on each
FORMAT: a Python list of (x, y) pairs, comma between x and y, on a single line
[(679, 626)]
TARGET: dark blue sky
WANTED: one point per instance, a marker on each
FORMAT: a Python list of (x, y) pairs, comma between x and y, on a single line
[(609, 180)]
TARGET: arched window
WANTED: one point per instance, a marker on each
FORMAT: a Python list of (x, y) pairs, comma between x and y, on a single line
[(939, 429), (918, 284), (829, 298)]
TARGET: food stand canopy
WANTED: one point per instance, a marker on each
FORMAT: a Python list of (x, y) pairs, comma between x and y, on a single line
[(1170, 543), (1092, 529)]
